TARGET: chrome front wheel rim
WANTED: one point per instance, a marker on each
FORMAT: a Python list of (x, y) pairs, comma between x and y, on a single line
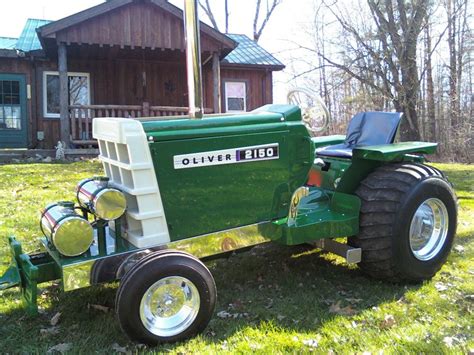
[(169, 306), (429, 229)]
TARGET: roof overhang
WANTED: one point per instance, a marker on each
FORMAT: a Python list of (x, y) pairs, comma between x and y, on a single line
[(47, 33), (9, 53), (225, 65)]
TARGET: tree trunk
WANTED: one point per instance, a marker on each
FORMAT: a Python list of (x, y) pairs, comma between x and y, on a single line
[(430, 102), (453, 86)]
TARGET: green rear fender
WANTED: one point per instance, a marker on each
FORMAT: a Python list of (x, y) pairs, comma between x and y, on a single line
[(393, 152), (344, 175)]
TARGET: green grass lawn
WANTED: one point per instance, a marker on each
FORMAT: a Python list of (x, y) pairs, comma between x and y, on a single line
[(281, 299)]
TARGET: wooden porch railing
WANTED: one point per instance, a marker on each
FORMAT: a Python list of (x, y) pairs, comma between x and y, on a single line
[(81, 117)]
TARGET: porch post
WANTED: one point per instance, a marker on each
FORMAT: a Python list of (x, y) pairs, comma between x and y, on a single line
[(216, 75), (63, 94)]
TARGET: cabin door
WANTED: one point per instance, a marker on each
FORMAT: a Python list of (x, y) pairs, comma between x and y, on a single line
[(13, 115)]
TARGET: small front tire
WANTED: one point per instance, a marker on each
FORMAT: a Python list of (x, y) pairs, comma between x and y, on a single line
[(168, 296)]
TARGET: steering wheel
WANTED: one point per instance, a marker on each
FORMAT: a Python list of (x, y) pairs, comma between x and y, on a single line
[(314, 112)]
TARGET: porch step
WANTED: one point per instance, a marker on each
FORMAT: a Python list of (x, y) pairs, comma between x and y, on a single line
[(4, 158)]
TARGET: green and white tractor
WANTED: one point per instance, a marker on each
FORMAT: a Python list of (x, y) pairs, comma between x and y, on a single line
[(179, 190)]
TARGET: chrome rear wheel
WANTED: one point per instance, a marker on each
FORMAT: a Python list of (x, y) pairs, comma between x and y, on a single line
[(428, 229)]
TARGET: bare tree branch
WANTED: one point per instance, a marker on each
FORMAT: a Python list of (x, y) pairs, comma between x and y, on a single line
[(257, 30), (226, 14), (206, 7)]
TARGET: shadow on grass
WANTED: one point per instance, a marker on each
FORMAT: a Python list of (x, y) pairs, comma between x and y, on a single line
[(296, 289)]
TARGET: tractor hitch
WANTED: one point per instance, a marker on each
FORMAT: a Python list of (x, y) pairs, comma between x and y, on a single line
[(27, 271)]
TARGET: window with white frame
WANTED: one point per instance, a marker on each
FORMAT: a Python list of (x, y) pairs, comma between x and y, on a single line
[(79, 91), (235, 96)]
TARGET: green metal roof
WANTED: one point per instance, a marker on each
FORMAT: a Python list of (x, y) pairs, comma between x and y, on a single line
[(248, 52), (7, 42), (28, 40)]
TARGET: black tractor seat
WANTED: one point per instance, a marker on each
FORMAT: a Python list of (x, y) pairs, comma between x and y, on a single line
[(365, 129)]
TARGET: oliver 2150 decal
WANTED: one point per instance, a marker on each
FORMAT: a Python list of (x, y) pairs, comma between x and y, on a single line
[(227, 156)]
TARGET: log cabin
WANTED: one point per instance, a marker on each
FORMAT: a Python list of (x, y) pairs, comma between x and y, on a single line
[(122, 58)]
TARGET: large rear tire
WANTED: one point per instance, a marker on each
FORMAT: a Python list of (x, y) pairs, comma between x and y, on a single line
[(167, 296), (408, 221)]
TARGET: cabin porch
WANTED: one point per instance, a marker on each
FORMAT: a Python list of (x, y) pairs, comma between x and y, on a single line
[(81, 117)]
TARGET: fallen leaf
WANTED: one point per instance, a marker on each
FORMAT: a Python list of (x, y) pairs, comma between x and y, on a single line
[(254, 346), (237, 304), (448, 341), (441, 287), (354, 300), (269, 303), (60, 348), (120, 349), (224, 345), (100, 307), (402, 300), (388, 322), (49, 331), (239, 315), (55, 320), (211, 333), (224, 314), (345, 311), (312, 343)]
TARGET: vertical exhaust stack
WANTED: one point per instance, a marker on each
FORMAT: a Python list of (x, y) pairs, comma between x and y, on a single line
[(193, 58)]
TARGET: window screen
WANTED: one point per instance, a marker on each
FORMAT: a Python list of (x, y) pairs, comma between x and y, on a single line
[(235, 96)]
